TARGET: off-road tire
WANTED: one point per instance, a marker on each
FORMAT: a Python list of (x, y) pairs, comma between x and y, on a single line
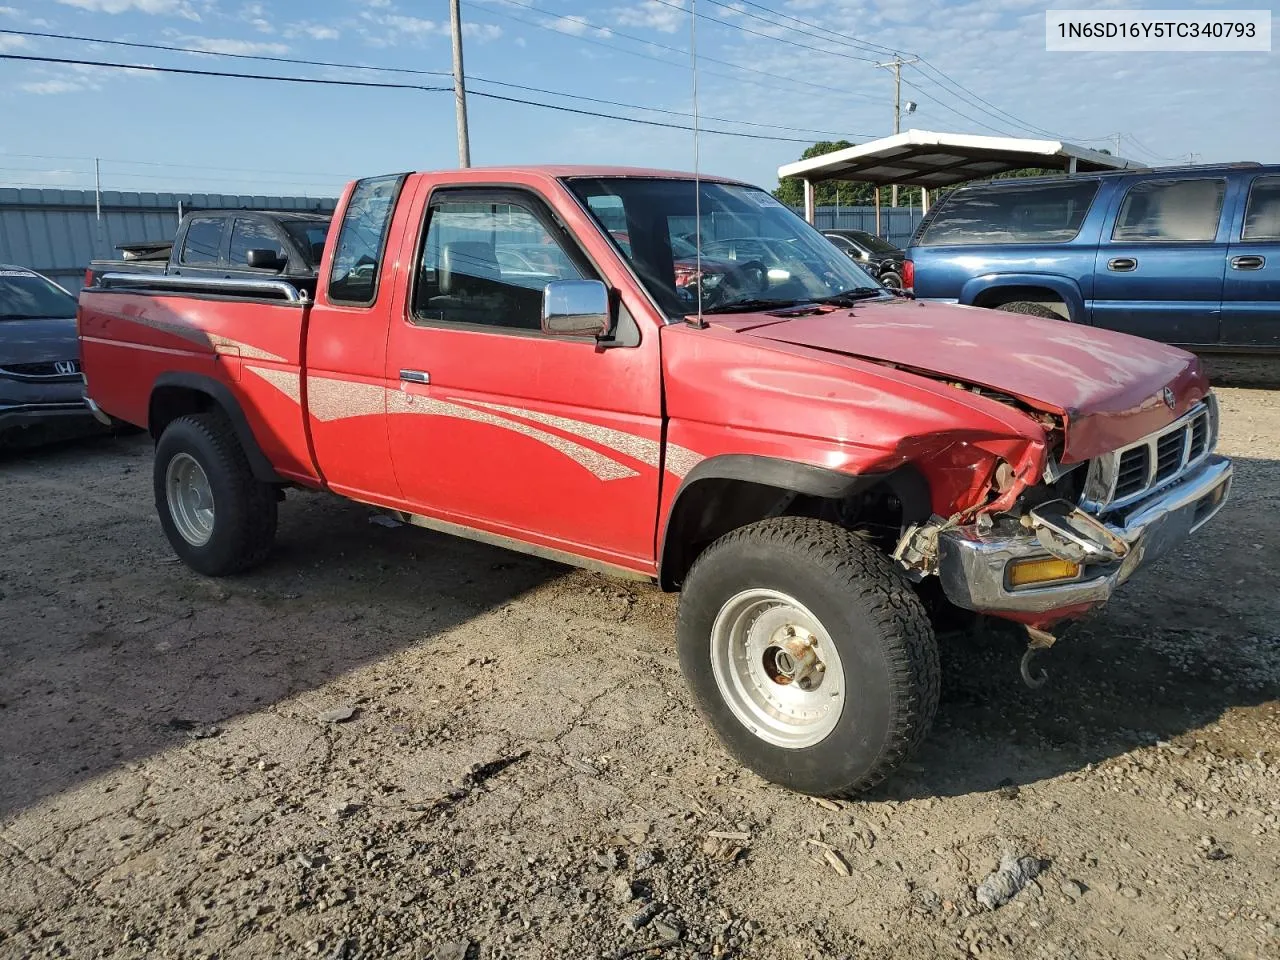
[(244, 524), (879, 626), (1030, 309)]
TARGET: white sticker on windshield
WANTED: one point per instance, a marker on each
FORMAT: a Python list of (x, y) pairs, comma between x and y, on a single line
[(763, 199)]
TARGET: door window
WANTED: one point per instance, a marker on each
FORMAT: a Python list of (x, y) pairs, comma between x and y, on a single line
[(362, 239), (1262, 215), (203, 242), (249, 235), (486, 262), (1163, 210)]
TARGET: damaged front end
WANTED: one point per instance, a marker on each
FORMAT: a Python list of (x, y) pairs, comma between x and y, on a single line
[(1040, 554)]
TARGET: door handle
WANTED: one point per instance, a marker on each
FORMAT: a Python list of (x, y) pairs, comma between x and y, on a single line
[(415, 376), (1122, 264), (1248, 263)]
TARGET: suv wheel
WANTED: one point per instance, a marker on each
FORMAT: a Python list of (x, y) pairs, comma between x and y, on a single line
[(219, 519), (809, 654), (1030, 309)]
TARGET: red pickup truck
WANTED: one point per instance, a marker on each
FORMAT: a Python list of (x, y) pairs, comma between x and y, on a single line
[(823, 469)]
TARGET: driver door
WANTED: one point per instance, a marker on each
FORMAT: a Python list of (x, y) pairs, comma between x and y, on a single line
[(498, 427)]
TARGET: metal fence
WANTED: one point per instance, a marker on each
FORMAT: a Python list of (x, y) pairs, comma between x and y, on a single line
[(897, 224), (58, 232)]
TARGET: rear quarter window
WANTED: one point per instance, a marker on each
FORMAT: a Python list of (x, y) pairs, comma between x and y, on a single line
[(1043, 213)]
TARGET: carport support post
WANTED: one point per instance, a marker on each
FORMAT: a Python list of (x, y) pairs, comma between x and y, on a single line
[(924, 200), (810, 202), (876, 191)]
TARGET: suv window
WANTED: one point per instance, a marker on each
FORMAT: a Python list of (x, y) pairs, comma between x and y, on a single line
[(353, 278), (486, 262), (1036, 213), (204, 240), (249, 235), (1170, 210), (1262, 215)]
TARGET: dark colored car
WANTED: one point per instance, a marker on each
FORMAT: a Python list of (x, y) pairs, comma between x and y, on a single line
[(1186, 255), (40, 383), (878, 257)]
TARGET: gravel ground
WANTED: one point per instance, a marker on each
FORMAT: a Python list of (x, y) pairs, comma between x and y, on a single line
[(387, 743)]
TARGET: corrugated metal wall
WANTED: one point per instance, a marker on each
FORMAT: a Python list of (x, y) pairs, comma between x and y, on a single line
[(897, 224), (58, 232)]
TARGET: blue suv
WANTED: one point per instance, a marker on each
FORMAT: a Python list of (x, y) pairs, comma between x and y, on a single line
[(1190, 256)]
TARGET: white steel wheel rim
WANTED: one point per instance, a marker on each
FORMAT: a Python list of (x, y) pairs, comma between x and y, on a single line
[(190, 499), (756, 636)]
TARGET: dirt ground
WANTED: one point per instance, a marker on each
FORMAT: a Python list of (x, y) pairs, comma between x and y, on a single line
[(522, 775)]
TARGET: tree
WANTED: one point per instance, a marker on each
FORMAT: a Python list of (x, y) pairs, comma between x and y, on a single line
[(847, 192)]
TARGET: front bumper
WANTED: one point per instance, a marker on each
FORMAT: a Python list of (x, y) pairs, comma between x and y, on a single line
[(22, 415), (974, 568)]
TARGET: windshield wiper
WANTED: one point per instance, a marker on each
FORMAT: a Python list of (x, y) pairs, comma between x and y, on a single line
[(745, 306), (24, 316), (851, 296)]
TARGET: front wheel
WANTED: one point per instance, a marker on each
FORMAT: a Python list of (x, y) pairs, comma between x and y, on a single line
[(218, 517), (809, 654)]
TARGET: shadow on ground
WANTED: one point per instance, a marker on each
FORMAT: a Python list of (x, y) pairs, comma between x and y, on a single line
[(110, 650)]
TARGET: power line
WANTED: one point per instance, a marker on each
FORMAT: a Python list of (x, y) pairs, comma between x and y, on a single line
[(958, 113), (757, 33), (404, 70), (662, 46), (561, 108)]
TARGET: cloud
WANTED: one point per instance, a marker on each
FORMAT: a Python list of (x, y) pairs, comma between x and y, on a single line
[(400, 25), (241, 47), (12, 43), (654, 16), (255, 15), (316, 31), (48, 87), (577, 26), (175, 8)]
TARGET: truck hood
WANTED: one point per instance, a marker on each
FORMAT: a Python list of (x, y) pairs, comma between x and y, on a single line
[(1109, 388)]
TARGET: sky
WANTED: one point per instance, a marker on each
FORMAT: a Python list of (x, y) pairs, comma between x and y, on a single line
[(787, 82)]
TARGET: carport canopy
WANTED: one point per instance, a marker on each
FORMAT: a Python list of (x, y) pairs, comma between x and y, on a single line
[(923, 158)]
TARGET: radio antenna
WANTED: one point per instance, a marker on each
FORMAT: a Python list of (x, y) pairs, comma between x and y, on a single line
[(697, 174)]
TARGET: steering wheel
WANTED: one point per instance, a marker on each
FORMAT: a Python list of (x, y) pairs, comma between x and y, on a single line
[(746, 280)]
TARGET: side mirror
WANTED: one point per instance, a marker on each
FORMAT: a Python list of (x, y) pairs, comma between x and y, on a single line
[(575, 308), (264, 259)]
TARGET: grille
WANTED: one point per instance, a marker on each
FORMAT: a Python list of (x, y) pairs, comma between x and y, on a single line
[(40, 371), (1125, 476), (1132, 476)]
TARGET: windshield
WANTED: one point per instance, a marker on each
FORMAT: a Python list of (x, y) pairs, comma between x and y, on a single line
[(872, 242), (27, 296), (757, 253), (310, 236)]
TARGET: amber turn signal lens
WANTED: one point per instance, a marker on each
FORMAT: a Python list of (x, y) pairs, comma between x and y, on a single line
[(1023, 573)]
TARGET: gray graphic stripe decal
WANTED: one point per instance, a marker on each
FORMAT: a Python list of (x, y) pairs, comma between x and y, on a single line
[(679, 459), (600, 465)]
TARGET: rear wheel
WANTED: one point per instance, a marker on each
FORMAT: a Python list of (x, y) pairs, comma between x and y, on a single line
[(1030, 309), (891, 280), (219, 519), (809, 654)]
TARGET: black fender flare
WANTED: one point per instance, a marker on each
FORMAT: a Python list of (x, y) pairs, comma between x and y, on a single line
[(788, 475), (226, 401)]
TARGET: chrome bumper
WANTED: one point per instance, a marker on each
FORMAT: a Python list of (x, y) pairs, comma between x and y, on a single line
[(97, 412), (973, 568)]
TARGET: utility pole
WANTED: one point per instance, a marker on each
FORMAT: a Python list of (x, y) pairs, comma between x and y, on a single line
[(896, 65), (1117, 140), (459, 85)]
